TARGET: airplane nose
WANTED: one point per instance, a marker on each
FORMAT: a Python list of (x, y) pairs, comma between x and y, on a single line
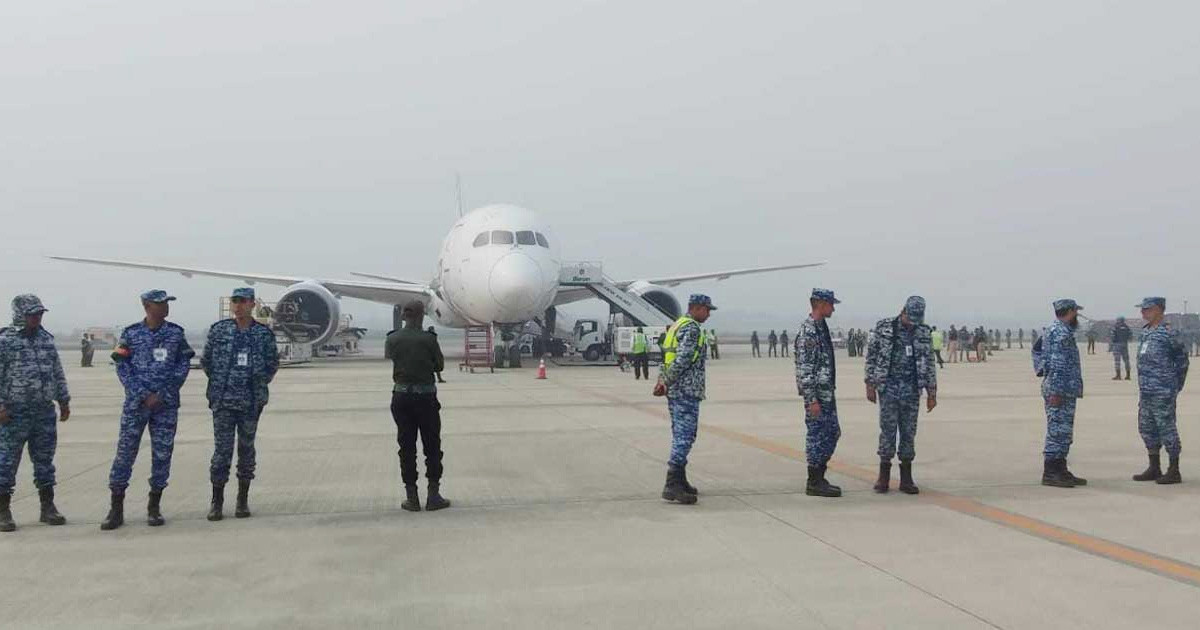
[(515, 281)]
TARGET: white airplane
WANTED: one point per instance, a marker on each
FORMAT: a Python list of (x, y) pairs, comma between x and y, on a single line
[(499, 265)]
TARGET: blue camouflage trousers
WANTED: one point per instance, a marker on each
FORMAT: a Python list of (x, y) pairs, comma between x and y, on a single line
[(1156, 423), (823, 433), (685, 422), (227, 423), (37, 427), (162, 423), (1120, 353), (898, 416), (1060, 427)]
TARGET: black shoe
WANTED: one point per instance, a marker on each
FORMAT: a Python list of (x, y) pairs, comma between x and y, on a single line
[(686, 484), (885, 477), (906, 481), (1052, 474), (1078, 481), (1172, 474), (674, 490), (1127, 376), (1117, 377), (50, 515), (116, 513), (215, 509), (435, 501), (242, 510), (154, 517), (413, 501), (817, 486), (6, 520), (1153, 470), (824, 468)]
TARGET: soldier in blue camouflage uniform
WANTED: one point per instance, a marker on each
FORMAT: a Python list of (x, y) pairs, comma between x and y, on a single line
[(152, 359), (899, 365), (816, 381), (1119, 347), (1162, 361), (683, 381), (31, 381), (240, 360), (1062, 385)]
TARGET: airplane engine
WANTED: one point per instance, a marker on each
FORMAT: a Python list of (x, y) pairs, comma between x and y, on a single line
[(659, 296), (307, 313)]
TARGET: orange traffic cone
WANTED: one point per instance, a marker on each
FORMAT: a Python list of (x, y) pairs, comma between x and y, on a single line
[(542, 370)]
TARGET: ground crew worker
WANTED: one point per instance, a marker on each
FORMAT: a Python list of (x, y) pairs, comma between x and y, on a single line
[(713, 344), (816, 382), (682, 381), (240, 360), (935, 337), (31, 381), (783, 344), (755, 350), (1062, 385), (899, 365), (772, 343), (416, 357), (641, 355), (1119, 347), (86, 350), (1162, 361), (152, 358)]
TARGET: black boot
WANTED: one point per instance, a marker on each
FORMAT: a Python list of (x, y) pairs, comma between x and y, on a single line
[(435, 501), (413, 501), (906, 481), (1118, 376), (6, 522), (837, 489), (1172, 474), (1079, 481), (1153, 471), (1127, 374), (154, 517), (50, 515), (242, 510), (674, 490), (817, 486), (215, 509), (1052, 474), (116, 513), (885, 476), (686, 484)]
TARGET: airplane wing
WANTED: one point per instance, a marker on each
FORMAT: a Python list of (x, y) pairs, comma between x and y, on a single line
[(375, 276), (383, 292), (567, 295)]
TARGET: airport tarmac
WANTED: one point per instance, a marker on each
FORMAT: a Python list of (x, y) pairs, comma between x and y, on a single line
[(557, 520)]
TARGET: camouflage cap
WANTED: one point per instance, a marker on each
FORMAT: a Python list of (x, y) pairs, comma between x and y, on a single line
[(915, 308), (158, 296), (1153, 301), (699, 299), (825, 295), (245, 293), (1066, 303), (27, 304)]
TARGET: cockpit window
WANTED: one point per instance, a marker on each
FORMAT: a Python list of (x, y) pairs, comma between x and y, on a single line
[(500, 237), (526, 238), (481, 240), (541, 240)]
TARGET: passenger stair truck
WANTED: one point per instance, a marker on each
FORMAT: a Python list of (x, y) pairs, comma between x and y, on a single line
[(588, 338)]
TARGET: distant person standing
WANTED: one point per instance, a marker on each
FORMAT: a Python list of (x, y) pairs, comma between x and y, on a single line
[(772, 344), (1120, 347), (935, 338), (641, 354), (416, 357), (1091, 339), (86, 350), (783, 344), (964, 343), (755, 350), (683, 380), (712, 344), (1008, 338), (952, 346), (1162, 360), (850, 343), (1061, 387), (816, 381), (1021, 338)]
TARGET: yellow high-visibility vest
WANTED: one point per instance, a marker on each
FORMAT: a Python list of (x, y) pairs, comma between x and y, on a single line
[(671, 343), (640, 343)]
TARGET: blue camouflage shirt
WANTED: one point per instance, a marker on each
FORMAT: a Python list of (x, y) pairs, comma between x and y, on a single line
[(816, 374), (239, 365), (900, 360), (1162, 361), (686, 376), (31, 374), (1063, 374), (152, 361)]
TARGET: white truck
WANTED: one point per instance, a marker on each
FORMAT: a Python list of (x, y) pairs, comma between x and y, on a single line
[(593, 341)]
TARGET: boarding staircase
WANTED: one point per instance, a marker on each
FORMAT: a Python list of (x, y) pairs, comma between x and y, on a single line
[(591, 276), (477, 349)]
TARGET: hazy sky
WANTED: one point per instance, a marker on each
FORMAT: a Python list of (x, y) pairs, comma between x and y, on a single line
[(989, 155)]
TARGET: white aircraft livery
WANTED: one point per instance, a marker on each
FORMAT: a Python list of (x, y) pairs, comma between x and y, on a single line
[(499, 265)]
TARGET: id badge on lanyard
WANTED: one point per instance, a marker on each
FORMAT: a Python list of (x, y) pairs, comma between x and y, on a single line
[(243, 359), (908, 351), (160, 354)]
